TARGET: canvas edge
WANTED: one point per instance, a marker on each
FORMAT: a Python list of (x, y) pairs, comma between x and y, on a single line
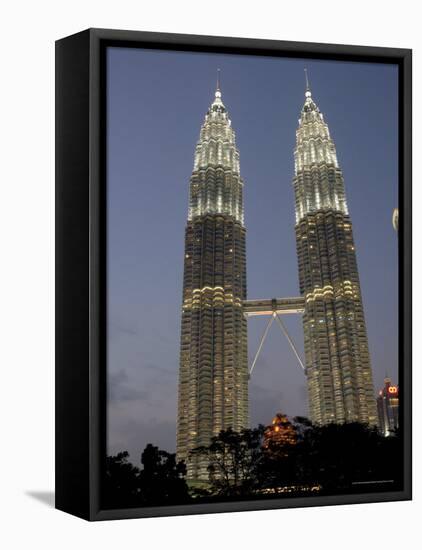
[(99, 38)]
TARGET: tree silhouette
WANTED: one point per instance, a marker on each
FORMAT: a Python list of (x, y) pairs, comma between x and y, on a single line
[(162, 479), (233, 460), (337, 458), (160, 482), (121, 486)]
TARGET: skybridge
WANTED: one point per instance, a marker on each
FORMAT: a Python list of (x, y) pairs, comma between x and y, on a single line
[(274, 308), (280, 306)]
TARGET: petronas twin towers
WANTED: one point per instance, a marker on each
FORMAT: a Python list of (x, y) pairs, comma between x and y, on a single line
[(213, 377)]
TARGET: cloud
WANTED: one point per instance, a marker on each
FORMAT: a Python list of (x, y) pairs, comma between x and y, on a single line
[(120, 390), (116, 329), (133, 434), (161, 370)]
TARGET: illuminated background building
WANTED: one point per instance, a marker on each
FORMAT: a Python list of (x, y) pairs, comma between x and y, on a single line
[(338, 369), (388, 407), (280, 434), (213, 375)]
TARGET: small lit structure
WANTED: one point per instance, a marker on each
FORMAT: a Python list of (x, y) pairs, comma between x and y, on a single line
[(279, 435)]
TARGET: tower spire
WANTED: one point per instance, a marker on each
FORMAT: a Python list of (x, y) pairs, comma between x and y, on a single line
[(218, 90), (308, 88)]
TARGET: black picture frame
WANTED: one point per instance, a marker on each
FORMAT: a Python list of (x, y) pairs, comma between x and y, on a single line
[(81, 260)]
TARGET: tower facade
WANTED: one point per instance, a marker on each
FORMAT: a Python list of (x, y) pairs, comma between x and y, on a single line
[(338, 368), (213, 375)]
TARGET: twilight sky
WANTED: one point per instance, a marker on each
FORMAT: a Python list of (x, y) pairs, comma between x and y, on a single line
[(157, 101)]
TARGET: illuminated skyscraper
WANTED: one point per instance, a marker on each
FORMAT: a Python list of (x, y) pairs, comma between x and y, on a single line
[(338, 368), (213, 376), (388, 408)]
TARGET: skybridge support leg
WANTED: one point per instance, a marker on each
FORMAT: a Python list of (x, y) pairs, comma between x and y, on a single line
[(267, 328), (292, 345)]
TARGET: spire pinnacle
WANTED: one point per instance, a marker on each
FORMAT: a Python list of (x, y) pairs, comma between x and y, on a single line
[(217, 90), (308, 88)]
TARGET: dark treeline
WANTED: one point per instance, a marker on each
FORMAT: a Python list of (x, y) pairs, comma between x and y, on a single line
[(329, 459), (160, 481)]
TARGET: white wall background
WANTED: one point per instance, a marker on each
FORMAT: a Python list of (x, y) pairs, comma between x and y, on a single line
[(29, 29)]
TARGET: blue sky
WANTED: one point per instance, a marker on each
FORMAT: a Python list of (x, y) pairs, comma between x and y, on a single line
[(157, 101)]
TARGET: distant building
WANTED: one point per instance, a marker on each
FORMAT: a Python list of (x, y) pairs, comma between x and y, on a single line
[(280, 433), (388, 408)]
